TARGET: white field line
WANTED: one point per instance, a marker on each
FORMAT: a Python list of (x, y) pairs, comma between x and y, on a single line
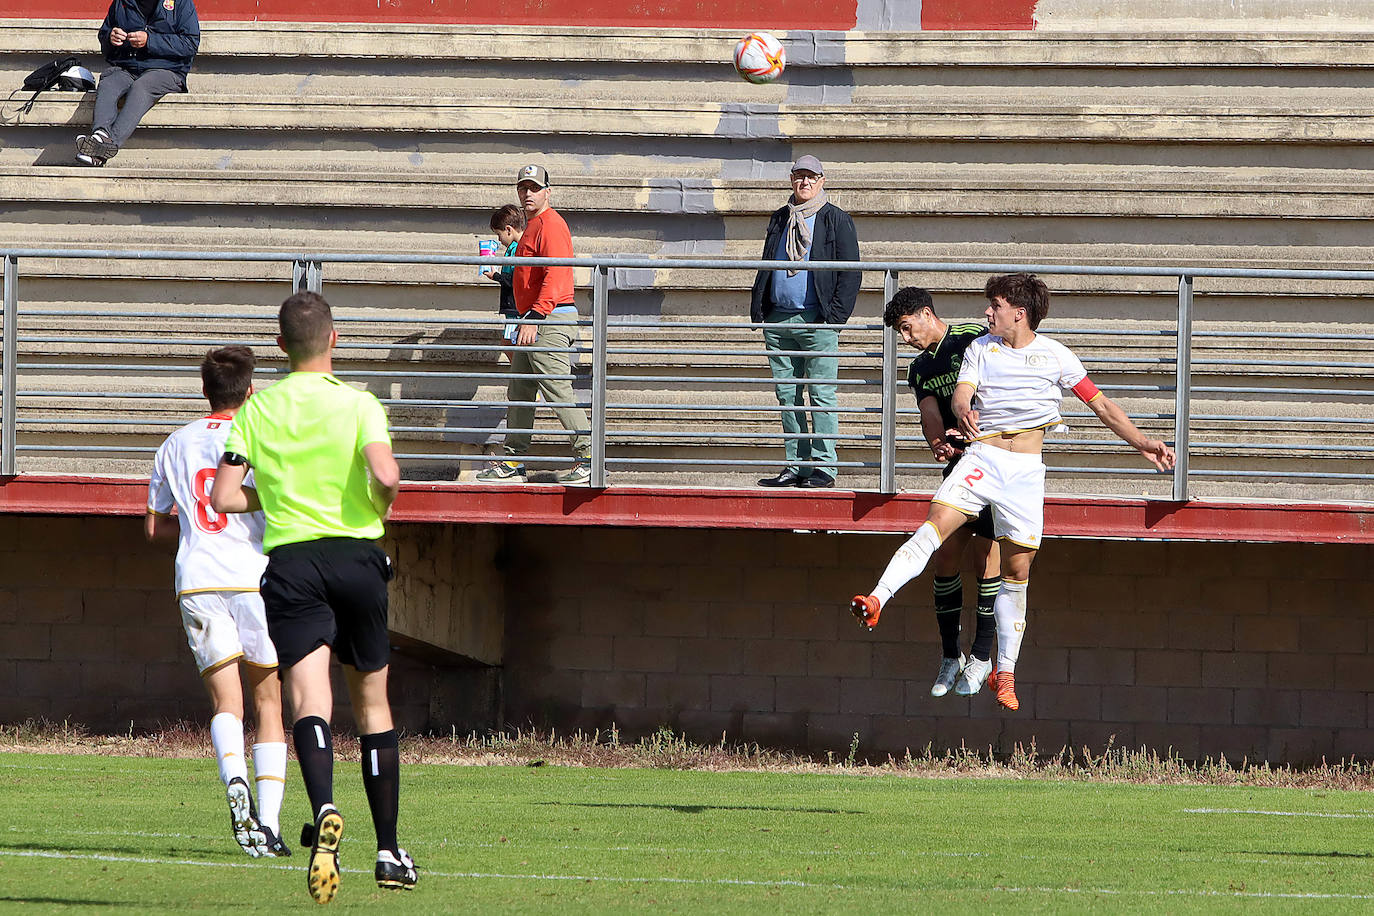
[(142, 860), (1275, 813), (741, 882)]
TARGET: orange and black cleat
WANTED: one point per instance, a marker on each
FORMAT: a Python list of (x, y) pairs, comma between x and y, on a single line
[(1003, 684), (866, 609)]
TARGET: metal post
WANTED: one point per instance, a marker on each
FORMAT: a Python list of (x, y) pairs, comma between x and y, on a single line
[(1183, 386), (307, 276), (887, 438), (9, 353), (600, 308)]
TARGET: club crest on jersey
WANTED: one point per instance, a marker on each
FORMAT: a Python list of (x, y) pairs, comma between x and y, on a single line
[(1037, 360), (169, 5)]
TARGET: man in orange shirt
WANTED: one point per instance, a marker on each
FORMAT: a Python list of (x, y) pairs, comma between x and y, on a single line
[(545, 295)]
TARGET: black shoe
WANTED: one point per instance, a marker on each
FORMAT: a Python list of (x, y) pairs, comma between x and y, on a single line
[(396, 870), (788, 478), (273, 845), (322, 877), (817, 480)]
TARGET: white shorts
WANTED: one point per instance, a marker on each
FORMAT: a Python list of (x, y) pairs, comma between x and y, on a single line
[(224, 626), (1013, 483)]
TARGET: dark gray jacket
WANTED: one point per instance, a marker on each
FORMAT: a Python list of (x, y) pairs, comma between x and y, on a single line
[(832, 239)]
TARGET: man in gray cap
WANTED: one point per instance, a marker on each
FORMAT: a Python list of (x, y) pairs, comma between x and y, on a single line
[(793, 302)]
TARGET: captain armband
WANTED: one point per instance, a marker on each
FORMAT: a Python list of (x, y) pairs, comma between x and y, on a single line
[(1086, 390), (234, 459)]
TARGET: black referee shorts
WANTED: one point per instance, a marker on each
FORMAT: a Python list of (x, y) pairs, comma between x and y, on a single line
[(980, 523), (330, 592)]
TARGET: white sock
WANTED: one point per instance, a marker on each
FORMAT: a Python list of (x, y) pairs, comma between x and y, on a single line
[(226, 734), (1010, 610), (908, 562), (269, 771)]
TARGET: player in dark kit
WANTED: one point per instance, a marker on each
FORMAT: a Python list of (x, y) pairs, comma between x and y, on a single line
[(932, 377)]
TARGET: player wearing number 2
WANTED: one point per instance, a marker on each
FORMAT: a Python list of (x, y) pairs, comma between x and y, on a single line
[(1010, 385), (219, 562)]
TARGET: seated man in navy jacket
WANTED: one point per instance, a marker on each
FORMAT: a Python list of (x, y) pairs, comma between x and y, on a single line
[(149, 45), (792, 302)]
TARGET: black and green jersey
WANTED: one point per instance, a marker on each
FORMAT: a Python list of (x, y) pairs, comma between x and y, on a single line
[(935, 372)]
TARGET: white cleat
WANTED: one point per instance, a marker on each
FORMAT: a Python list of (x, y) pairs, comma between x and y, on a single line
[(975, 674), (243, 818), (949, 672)]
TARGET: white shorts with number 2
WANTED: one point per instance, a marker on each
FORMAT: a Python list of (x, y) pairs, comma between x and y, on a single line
[(1012, 483)]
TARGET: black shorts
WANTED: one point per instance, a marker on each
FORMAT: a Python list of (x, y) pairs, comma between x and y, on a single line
[(980, 523), (330, 592)]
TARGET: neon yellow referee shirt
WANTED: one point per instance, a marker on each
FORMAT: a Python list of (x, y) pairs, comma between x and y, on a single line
[(304, 439)]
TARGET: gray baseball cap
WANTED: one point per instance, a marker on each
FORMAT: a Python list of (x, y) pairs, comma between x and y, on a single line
[(808, 164), (535, 173)]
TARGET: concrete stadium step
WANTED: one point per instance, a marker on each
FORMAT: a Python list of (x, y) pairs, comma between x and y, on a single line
[(942, 189)]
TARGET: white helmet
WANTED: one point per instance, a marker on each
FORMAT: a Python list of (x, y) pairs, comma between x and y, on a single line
[(76, 79)]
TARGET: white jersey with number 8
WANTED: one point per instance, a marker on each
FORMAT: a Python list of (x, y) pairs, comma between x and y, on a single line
[(216, 552)]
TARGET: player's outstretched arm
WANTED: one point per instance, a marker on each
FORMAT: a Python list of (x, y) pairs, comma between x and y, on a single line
[(228, 493), (386, 475), (1115, 419)]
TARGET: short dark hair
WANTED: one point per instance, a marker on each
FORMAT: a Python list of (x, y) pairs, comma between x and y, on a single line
[(305, 321), (226, 375), (1026, 291), (907, 301), (507, 216)]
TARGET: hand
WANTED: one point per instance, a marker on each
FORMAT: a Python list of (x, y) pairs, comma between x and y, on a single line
[(1160, 455), (968, 425), (118, 37), (491, 274), (138, 39), (943, 451), (527, 335)]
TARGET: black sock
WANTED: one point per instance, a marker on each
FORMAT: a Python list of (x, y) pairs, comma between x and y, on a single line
[(949, 606), (315, 754), (985, 635), (382, 780)]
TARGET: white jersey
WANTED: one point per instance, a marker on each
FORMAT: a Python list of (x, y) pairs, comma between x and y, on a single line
[(216, 552), (1016, 389)]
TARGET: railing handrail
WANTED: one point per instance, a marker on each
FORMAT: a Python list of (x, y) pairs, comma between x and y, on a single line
[(664, 262)]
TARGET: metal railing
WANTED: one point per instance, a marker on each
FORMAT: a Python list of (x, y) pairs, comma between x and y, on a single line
[(307, 272)]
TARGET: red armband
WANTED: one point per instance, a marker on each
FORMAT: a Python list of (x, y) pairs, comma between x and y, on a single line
[(1086, 390)]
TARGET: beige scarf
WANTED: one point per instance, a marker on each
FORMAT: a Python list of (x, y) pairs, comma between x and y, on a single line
[(797, 235)]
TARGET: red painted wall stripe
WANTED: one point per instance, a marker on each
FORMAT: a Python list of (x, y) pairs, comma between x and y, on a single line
[(744, 15), (977, 14), (644, 507)]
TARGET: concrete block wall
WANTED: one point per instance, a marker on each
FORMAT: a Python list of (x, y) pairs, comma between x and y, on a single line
[(1251, 651), (1247, 650)]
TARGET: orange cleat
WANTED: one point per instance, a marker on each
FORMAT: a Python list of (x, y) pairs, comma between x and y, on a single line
[(1004, 683), (866, 609)]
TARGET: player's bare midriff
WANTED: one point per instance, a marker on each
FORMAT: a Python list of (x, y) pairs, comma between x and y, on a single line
[(1025, 442)]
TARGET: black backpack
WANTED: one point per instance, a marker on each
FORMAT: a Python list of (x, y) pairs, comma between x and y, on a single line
[(53, 75)]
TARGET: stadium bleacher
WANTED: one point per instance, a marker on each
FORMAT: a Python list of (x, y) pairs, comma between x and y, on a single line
[(1099, 149)]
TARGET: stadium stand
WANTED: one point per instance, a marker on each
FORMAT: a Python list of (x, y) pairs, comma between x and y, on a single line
[(1098, 149)]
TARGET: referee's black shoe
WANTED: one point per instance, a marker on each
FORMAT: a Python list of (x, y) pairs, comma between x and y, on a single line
[(395, 870)]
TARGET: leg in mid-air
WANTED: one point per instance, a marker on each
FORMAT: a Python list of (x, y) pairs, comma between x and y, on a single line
[(987, 559), (1010, 610), (908, 562)]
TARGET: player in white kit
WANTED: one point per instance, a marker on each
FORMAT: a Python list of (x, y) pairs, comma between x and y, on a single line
[(1010, 386), (218, 566)]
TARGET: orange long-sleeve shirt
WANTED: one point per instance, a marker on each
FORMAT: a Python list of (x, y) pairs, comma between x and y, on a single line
[(542, 288)]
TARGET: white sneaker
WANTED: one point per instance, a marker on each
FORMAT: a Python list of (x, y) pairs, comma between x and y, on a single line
[(949, 670), (974, 676)]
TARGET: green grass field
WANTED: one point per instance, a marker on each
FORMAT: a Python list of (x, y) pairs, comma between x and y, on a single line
[(149, 834)]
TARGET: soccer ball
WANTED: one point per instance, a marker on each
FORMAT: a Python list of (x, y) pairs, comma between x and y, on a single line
[(759, 57)]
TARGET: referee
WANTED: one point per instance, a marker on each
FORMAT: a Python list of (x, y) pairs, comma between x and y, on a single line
[(325, 478)]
